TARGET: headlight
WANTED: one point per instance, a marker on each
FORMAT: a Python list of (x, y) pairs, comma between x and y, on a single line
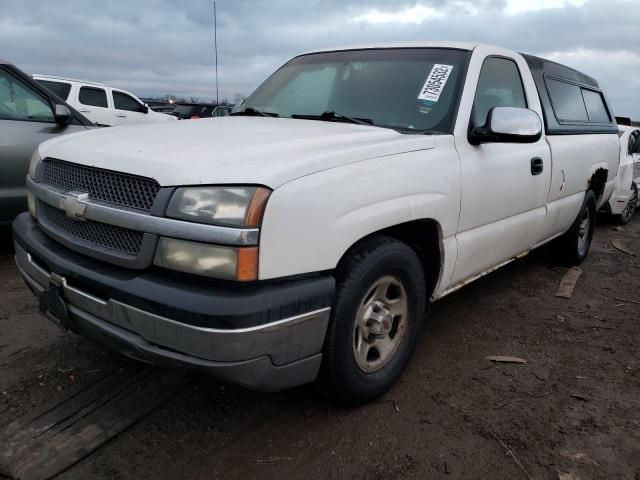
[(210, 260), (33, 163), (230, 206)]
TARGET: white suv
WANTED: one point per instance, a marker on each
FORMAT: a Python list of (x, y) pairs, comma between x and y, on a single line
[(102, 105)]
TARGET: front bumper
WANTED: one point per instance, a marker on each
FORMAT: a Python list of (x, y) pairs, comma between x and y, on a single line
[(266, 336)]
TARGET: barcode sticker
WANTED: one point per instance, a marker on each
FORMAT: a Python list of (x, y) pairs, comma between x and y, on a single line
[(435, 83)]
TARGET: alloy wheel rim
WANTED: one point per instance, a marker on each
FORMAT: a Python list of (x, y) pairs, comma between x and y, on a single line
[(380, 324)]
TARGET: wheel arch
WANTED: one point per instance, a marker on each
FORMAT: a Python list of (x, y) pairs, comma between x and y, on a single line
[(597, 183), (425, 238)]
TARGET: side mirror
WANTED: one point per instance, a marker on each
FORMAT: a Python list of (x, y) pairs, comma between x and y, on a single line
[(508, 125), (144, 108), (62, 115)]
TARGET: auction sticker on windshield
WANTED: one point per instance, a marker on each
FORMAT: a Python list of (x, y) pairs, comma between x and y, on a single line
[(435, 83)]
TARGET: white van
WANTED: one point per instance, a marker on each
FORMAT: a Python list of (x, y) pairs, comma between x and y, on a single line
[(102, 105)]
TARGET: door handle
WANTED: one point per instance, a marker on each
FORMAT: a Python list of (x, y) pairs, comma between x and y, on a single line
[(121, 116), (537, 166), (84, 111)]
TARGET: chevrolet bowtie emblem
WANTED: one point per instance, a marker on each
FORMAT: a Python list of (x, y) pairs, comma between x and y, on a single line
[(73, 204)]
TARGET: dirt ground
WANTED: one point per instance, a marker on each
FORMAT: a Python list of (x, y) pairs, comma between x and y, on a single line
[(571, 412)]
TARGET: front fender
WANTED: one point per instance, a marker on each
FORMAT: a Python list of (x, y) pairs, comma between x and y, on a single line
[(311, 222)]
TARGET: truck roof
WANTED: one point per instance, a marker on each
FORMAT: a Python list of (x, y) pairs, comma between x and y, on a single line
[(535, 63), (66, 79), (416, 44), (556, 69)]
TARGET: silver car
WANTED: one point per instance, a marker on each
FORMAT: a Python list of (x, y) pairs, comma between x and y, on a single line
[(29, 115)]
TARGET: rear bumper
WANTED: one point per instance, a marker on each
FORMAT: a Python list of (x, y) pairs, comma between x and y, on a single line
[(265, 337), (616, 204)]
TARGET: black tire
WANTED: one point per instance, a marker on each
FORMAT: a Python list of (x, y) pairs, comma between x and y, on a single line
[(376, 259), (630, 208), (572, 248)]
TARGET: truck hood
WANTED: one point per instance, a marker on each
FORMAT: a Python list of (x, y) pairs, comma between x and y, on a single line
[(231, 150)]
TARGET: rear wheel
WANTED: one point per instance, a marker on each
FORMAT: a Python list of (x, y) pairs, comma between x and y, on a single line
[(630, 208), (572, 247), (379, 308)]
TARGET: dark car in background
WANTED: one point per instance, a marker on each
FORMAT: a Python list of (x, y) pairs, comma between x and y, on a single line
[(160, 106), (29, 115), (185, 111)]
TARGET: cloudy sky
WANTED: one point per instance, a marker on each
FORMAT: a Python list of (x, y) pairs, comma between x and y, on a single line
[(155, 47)]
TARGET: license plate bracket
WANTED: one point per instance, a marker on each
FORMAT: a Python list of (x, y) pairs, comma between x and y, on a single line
[(52, 304)]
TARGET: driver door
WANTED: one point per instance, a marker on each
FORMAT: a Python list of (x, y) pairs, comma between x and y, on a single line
[(503, 201)]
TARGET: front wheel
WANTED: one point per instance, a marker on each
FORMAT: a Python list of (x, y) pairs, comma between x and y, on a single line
[(379, 309), (572, 247), (630, 208)]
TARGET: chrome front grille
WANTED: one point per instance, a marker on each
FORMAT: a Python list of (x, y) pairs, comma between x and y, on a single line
[(102, 235), (103, 185)]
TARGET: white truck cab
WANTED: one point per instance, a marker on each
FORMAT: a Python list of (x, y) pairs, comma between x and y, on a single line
[(300, 238), (101, 104)]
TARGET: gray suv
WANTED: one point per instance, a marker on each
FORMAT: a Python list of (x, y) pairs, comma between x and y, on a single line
[(29, 115)]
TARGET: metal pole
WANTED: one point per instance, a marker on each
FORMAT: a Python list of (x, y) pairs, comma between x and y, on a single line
[(215, 43)]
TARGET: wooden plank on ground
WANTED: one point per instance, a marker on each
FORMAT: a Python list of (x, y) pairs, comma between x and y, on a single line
[(568, 283), (43, 444), (505, 359)]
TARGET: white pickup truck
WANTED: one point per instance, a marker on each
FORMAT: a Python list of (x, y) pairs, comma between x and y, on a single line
[(301, 238)]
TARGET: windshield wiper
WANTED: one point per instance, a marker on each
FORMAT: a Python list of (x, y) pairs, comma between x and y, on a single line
[(252, 112), (329, 116)]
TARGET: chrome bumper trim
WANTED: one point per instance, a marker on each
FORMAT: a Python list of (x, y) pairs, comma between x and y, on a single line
[(144, 222), (284, 341)]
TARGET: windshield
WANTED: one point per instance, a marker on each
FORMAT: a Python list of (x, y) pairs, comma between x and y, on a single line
[(408, 89)]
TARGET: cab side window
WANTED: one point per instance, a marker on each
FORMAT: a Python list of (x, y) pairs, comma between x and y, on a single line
[(122, 101), (19, 102), (568, 103), (596, 109), (93, 97), (499, 85)]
